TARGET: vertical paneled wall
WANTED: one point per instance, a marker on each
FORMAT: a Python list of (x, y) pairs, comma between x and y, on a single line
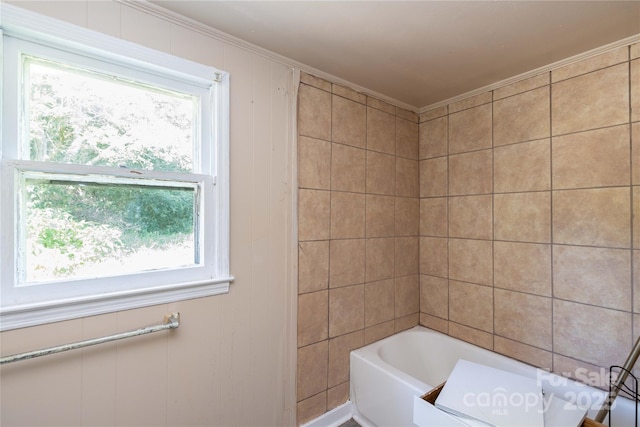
[(358, 250), (529, 215), (231, 360)]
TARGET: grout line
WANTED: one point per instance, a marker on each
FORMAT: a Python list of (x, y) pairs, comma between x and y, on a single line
[(493, 228), (551, 237), (448, 223), (634, 332)]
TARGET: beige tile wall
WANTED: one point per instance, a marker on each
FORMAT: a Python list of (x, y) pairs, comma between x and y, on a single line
[(358, 222), (528, 239)]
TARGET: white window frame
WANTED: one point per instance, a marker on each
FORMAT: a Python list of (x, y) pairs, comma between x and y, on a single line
[(22, 306)]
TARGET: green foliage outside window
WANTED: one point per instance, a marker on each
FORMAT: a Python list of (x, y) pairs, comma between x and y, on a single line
[(86, 119)]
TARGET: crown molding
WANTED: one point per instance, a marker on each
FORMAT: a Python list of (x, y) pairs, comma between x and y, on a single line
[(544, 69), (191, 24)]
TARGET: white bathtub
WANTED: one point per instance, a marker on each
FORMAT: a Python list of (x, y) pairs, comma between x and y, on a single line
[(386, 375)]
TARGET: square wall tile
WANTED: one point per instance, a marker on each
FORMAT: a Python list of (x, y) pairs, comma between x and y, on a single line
[(471, 261), (434, 113), (578, 369), (521, 86), (515, 309), (378, 332), (313, 266), (407, 216), (603, 60), (381, 105), (314, 81), (635, 152), (471, 335), (435, 323), (471, 305), (433, 177), (406, 322), (597, 158), (338, 395), (407, 142), (347, 259), (433, 217), (379, 259), (347, 215), (434, 256), (596, 276), (314, 113), (381, 131), (635, 90), (471, 217), (381, 173), (407, 256), (470, 173), (349, 93), (312, 369), (523, 117), (636, 281), (314, 163), (596, 217), (407, 295), (311, 408), (348, 122), (407, 115), (434, 138), (313, 317), (522, 167), (407, 177), (471, 102), (378, 302), (434, 296), (339, 349), (348, 166), (470, 130), (380, 210), (314, 215), (525, 353), (578, 330), (591, 101), (346, 310), (523, 217), (524, 267)]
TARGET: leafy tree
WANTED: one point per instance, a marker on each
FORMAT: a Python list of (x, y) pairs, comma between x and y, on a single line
[(87, 119)]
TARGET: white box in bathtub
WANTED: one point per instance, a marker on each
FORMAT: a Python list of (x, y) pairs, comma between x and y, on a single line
[(425, 414), (557, 412), (493, 396)]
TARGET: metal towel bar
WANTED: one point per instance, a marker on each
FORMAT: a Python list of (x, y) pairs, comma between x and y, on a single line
[(171, 321)]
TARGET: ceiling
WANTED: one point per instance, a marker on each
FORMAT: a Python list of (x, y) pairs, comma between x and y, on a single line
[(420, 52)]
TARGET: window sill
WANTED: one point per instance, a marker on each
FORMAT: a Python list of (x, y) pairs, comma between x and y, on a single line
[(54, 311)]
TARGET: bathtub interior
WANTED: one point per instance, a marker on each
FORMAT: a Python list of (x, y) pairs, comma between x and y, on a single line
[(387, 374), (427, 361)]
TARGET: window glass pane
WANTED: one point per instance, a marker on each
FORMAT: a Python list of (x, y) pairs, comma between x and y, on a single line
[(78, 229), (88, 118)]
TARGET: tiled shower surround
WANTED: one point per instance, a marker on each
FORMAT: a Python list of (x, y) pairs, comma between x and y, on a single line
[(358, 220), (525, 199)]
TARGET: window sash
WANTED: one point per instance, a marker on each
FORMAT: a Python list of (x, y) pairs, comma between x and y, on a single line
[(15, 130), (36, 293), (140, 289)]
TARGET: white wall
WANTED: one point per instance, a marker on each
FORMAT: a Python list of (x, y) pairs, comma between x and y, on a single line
[(232, 361)]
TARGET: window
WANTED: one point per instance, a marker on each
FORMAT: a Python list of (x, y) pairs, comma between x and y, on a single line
[(114, 176)]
